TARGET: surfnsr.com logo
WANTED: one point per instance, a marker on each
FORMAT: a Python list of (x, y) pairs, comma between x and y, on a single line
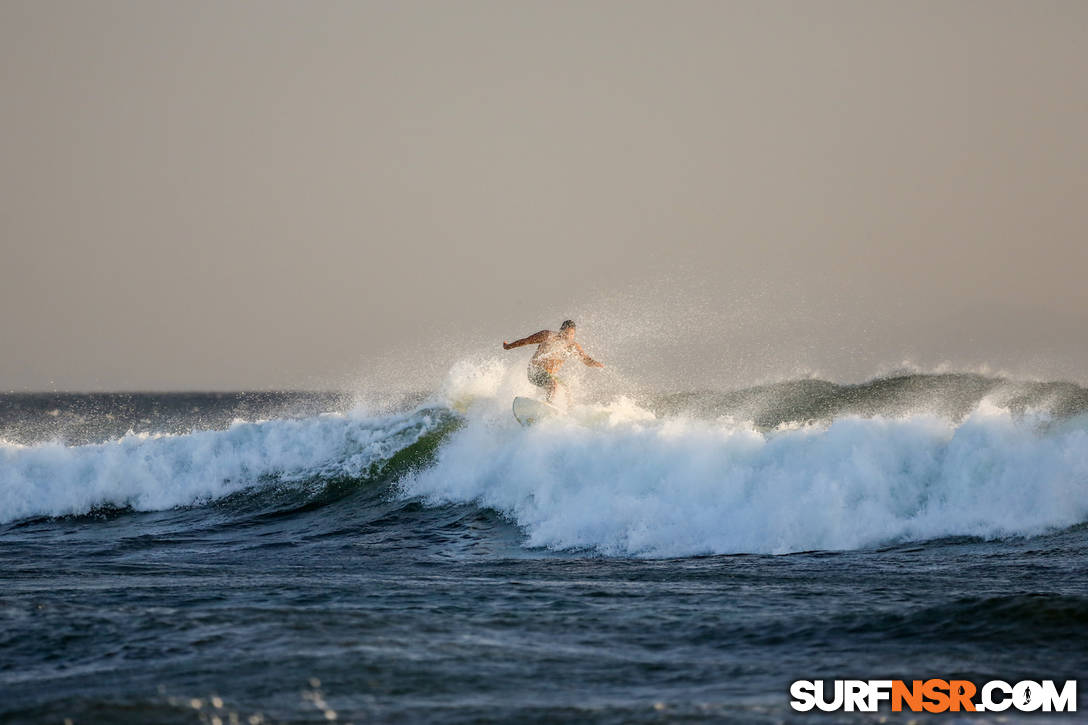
[(933, 695)]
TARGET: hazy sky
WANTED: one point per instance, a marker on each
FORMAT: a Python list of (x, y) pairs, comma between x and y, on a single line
[(283, 193)]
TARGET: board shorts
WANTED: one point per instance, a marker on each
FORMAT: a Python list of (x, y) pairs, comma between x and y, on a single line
[(540, 377)]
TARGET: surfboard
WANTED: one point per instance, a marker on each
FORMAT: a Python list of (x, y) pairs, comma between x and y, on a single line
[(529, 411)]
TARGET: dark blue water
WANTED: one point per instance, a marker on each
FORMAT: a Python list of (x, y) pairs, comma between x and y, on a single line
[(335, 592)]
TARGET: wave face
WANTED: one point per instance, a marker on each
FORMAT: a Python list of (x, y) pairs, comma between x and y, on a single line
[(803, 465)]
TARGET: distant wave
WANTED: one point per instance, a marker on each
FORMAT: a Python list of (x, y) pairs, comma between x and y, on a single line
[(949, 395)]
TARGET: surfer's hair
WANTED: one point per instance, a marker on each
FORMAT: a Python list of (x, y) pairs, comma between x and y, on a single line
[(566, 324)]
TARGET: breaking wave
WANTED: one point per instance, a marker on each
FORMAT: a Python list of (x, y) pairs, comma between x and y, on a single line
[(799, 466)]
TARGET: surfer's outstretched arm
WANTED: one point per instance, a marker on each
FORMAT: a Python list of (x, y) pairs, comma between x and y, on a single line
[(586, 358), (534, 339)]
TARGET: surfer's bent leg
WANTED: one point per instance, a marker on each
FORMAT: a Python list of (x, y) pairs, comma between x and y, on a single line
[(541, 378)]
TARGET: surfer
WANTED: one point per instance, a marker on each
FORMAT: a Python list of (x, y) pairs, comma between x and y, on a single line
[(553, 349)]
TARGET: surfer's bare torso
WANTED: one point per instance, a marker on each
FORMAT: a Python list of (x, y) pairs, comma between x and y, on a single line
[(552, 351)]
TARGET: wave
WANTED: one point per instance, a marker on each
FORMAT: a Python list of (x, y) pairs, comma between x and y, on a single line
[(798, 466), (950, 395), (150, 472), (633, 482)]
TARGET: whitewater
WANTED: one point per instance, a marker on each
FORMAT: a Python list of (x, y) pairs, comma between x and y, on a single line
[(619, 478)]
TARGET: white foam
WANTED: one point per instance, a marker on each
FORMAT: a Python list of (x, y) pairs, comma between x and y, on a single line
[(155, 472), (629, 484)]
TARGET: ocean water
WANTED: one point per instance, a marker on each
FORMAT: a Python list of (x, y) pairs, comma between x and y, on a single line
[(667, 557)]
